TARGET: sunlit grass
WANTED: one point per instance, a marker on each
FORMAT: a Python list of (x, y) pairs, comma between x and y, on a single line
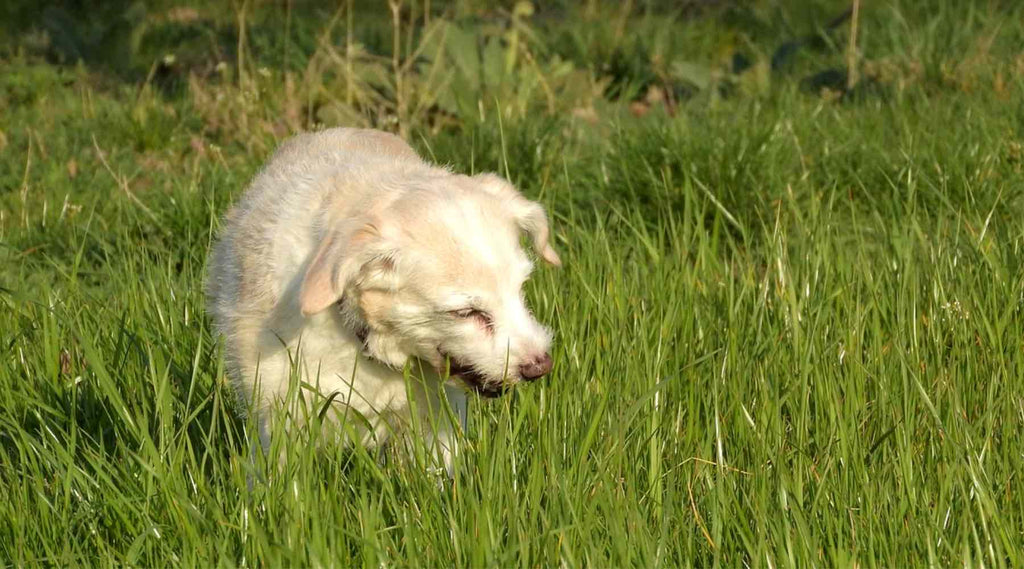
[(789, 331)]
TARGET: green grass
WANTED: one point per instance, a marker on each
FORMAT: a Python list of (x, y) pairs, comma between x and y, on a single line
[(789, 329)]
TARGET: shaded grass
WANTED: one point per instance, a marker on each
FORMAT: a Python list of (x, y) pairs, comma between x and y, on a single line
[(789, 331)]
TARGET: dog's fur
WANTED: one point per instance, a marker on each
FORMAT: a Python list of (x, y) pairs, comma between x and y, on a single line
[(348, 257)]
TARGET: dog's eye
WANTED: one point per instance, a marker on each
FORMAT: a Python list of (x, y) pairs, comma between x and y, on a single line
[(479, 315), (468, 313)]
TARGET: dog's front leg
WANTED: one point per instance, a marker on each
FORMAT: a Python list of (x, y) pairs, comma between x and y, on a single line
[(444, 428), (457, 426)]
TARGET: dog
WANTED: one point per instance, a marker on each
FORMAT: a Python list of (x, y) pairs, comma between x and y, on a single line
[(349, 257)]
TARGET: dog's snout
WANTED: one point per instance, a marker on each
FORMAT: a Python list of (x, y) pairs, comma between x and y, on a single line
[(535, 368)]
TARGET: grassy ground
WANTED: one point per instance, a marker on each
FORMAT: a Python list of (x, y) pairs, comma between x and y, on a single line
[(789, 331)]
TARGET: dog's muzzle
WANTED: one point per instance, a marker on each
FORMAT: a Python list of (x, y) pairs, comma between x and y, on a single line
[(528, 371), (475, 380)]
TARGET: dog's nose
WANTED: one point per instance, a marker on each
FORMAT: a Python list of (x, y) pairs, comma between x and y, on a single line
[(537, 367)]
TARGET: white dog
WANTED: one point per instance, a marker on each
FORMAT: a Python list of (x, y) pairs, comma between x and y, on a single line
[(348, 257)]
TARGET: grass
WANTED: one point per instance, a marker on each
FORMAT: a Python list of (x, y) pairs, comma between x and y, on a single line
[(789, 330)]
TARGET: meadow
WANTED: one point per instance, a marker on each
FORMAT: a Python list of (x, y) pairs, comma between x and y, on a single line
[(789, 329)]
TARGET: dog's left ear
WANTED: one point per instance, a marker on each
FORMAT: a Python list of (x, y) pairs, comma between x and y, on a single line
[(344, 254), (529, 216)]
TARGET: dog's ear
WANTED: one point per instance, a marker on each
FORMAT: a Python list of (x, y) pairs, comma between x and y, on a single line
[(534, 221), (342, 254), (529, 216)]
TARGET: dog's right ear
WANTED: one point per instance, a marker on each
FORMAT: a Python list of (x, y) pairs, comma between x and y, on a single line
[(338, 260)]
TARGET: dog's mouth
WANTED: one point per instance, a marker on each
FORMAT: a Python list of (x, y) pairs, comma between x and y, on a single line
[(473, 379)]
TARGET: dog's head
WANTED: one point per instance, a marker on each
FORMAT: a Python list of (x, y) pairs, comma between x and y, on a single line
[(437, 274)]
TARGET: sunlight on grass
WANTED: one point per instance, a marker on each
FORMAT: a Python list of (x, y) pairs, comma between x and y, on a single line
[(789, 329)]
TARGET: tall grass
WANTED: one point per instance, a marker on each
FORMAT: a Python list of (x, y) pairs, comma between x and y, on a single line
[(789, 329)]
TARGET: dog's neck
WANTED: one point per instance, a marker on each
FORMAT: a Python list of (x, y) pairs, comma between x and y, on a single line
[(355, 322), (362, 333)]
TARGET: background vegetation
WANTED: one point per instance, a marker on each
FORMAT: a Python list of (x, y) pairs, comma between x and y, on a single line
[(790, 329)]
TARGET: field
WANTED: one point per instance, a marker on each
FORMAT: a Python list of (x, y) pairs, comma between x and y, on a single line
[(789, 328)]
